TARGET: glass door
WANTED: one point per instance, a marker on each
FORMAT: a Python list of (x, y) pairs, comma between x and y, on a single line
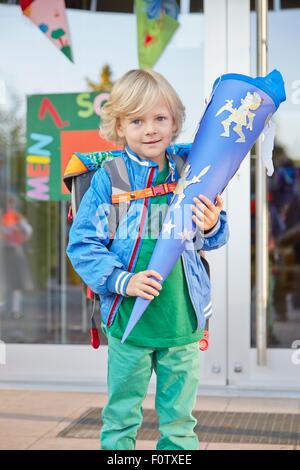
[(232, 357), (283, 312), (44, 314)]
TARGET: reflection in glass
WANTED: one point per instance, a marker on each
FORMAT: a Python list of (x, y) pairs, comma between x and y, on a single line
[(31, 239), (283, 314)]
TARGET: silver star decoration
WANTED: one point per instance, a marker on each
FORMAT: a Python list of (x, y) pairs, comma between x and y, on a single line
[(186, 235), (167, 228)]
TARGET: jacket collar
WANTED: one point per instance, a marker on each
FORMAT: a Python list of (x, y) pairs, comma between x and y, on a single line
[(148, 163)]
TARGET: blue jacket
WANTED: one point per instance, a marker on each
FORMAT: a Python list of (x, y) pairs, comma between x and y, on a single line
[(108, 271)]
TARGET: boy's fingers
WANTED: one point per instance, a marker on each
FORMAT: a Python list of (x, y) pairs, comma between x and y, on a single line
[(203, 216), (202, 224), (205, 224), (152, 272), (142, 294), (210, 204), (198, 223), (198, 212), (149, 290), (207, 201), (200, 204), (152, 282), (209, 209), (219, 201)]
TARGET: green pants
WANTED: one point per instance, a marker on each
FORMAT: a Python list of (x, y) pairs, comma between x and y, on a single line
[(129, 372)]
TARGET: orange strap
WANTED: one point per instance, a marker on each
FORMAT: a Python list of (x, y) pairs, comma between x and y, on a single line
[(157, 190)]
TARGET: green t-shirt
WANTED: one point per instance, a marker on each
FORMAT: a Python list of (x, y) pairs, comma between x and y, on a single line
[(170, 319)]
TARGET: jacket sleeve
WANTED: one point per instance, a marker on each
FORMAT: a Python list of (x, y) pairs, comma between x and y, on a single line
[(215, 238), (100, 269)]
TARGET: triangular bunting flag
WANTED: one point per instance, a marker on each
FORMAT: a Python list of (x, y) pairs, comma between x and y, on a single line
[(156, 25), (50, 17)]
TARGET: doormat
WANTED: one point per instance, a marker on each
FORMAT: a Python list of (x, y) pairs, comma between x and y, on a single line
[(213, 426)]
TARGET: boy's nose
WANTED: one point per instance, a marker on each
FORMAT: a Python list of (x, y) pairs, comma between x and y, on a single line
[(150, 129), (150, 132)]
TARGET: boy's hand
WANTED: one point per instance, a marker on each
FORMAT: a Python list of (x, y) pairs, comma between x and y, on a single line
[(206, 213), (140, 285)]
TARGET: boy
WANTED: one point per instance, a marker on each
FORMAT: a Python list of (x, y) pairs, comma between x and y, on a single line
[(145, 115)]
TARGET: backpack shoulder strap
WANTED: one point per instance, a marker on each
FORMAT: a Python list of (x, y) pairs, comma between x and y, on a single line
[(120, 183), (118, 173), (179, 162)]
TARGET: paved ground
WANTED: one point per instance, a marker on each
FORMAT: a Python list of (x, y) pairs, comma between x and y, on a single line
[(31, 419)]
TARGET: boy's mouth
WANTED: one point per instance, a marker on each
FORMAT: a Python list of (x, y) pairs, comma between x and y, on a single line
[(151, 142)]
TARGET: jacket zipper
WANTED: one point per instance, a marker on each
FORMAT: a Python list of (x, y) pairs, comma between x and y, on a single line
[(144, 211)]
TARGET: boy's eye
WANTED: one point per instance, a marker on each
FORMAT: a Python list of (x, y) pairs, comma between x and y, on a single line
[(138, 121)]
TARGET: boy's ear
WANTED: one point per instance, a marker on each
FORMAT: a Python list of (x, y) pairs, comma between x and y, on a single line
[(174, 128), (119, 128)]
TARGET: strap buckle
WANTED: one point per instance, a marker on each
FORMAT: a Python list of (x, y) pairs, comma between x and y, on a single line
[(159, 189)]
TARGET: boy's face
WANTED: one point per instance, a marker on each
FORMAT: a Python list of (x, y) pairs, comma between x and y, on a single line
[(149, 134)]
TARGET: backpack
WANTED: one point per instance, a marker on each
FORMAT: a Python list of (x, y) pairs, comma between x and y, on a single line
[(77, 177)]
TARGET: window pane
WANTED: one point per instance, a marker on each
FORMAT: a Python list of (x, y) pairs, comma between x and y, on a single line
[(196, 6), (283, 188), (290, 3), (120, 6), (270, 4), (79, 4)]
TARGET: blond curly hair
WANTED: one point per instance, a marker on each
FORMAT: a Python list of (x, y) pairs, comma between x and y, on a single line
[(135, 93)]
